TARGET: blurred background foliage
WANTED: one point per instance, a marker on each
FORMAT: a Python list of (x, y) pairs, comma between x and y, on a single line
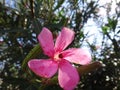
[(22, 21)]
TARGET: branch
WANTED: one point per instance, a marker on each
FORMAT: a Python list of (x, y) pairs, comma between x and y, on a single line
[(32, 8)]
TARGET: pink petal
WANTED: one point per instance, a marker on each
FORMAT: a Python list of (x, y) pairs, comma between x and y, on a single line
[(68, 76), (78, 56), (43, 68), (64, 39), (46, 41)]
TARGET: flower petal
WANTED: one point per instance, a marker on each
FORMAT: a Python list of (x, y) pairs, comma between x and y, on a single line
[(64, 39), (68, 76), (43, 68), (46, 41), (78, 56)]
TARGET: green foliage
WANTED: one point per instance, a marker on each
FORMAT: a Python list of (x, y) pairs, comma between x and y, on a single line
[(105, 29), (112, 23)]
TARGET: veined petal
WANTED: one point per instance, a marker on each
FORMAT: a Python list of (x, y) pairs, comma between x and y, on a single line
[(68, 76), (46, 41), (43, 68), (64, 39), (78, 56)]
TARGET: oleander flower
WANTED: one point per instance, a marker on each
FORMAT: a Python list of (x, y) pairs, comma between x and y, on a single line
[(59, 59)]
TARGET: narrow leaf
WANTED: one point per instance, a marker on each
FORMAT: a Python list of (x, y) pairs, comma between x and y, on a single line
[(59, 4), (32, 54), (88, 68)]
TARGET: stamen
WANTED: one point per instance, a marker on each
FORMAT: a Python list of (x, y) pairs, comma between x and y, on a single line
[(60, 56)]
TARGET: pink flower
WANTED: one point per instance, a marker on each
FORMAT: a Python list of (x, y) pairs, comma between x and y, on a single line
[(59, 58)]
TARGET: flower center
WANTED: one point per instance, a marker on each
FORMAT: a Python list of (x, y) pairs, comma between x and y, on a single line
[(58, 57)]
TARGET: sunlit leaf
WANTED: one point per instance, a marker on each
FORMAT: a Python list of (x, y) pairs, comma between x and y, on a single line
[(105, 29)]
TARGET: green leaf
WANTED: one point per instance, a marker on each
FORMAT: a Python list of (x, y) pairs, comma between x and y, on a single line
[(38, 5), (37, 26), (112, 23), (32, 54), (105, 29), (60, 2)]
